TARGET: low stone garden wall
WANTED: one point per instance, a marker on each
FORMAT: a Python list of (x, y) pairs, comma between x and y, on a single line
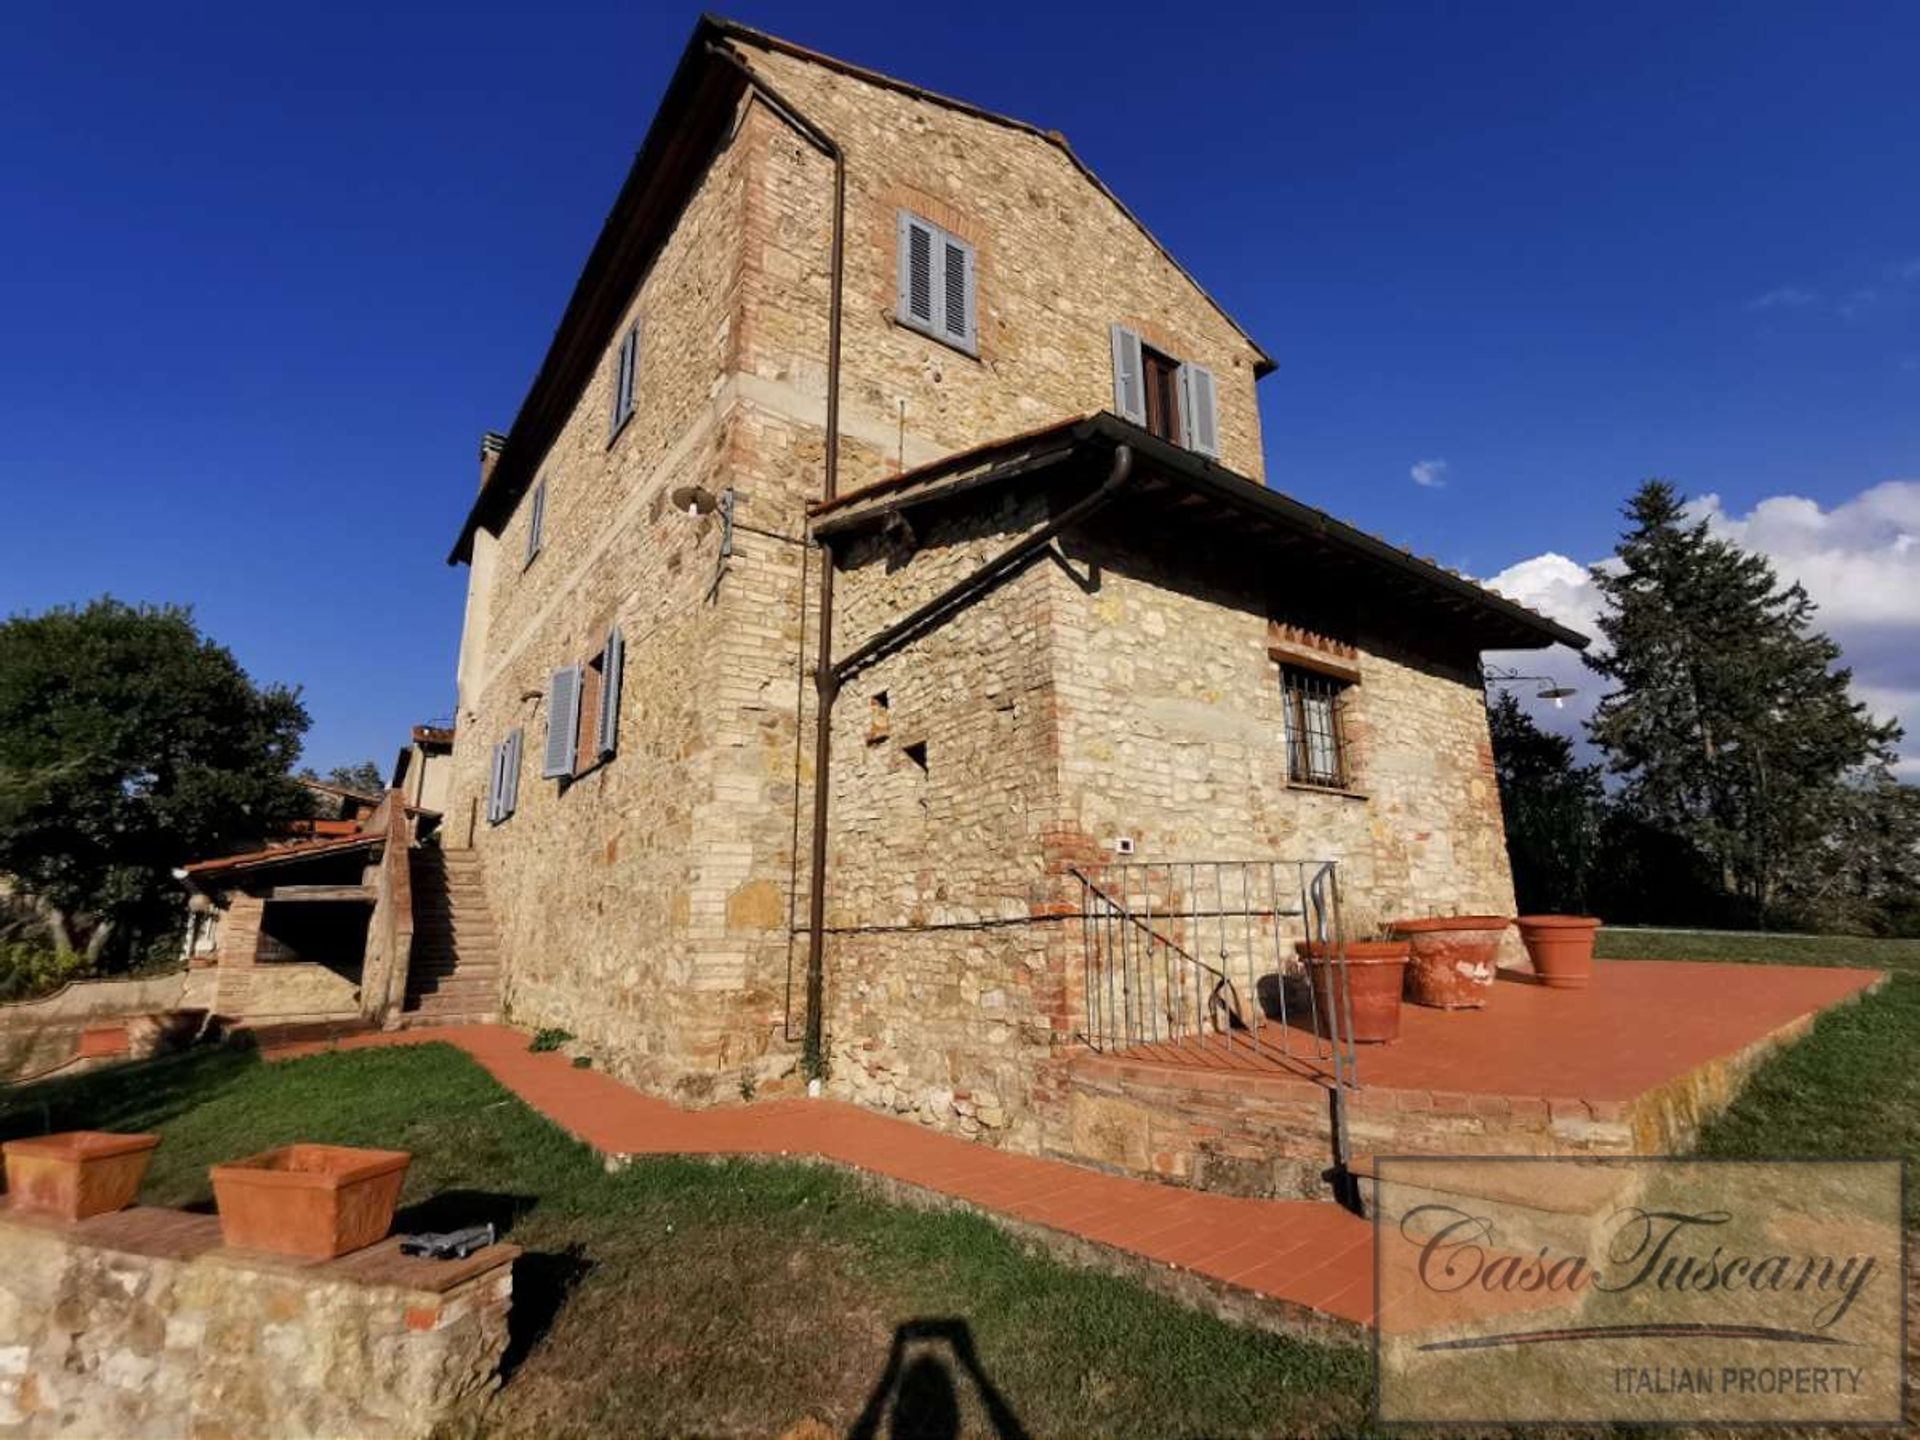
[(1262, 1135), (140, 1323)]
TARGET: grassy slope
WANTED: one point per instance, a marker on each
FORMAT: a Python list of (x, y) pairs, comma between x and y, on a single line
[(721, 1298), (737, 1298), (1851, 1089)]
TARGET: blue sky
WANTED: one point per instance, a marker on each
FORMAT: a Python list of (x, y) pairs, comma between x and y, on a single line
[(266, 273)]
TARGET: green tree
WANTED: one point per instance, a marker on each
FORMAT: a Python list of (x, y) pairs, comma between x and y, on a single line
[(129, 744), (1730, 722), (1865, 877), (1552, 807)]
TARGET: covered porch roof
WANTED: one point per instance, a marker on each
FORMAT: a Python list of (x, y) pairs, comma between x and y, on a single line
[(1174, 492)]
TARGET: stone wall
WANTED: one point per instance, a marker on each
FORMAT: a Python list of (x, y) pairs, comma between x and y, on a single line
[(643, 904), (1058, 263), (44, 1034), (1265, 1136), (1173, 727), (649, 906), (943, 999), (139, 1324)]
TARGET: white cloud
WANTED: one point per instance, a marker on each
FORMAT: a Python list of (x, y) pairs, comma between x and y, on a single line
[(1784, 297), (1859, 561), (1431, 474)]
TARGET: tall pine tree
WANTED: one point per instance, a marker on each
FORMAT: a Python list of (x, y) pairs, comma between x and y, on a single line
[(1729, 722)]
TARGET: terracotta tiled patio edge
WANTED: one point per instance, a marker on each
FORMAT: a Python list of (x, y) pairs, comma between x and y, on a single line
[(1297, 1265)]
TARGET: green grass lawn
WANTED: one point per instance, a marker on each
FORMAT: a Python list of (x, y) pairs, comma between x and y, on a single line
[(685, 1297), (682, 1297), (1851, 1089), (1744, 946)]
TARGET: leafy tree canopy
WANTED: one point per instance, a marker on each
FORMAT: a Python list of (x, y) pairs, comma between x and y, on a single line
[(1730, 722), (1552, 806), (129, 744)]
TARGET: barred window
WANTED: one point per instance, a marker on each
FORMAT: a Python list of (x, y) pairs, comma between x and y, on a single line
[(1316, 748)]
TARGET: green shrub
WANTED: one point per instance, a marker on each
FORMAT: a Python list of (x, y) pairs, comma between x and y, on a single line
[(549, 1039), (31, 968)]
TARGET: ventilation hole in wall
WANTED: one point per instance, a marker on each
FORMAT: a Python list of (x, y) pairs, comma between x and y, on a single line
[(917, 753)]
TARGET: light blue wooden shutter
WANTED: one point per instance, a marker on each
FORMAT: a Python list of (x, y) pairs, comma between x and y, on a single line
[(563, 722), (612, 662), (536, 520), (1199, 411), (916, 299), (493, 783), (510, 776), (1129, 384), (957, 291)]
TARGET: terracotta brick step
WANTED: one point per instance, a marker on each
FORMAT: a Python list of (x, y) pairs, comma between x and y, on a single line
[(441, 975), (454, 985)]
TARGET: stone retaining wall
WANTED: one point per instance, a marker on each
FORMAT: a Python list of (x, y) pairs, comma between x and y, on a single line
[(140, 1324), (1254, 1135)]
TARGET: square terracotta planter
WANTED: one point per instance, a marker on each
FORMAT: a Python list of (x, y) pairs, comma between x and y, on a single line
[(77, 1173), (311, 1201)]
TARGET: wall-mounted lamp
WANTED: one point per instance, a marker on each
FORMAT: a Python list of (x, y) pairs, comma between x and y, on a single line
[(693, 500), (1550, 688)]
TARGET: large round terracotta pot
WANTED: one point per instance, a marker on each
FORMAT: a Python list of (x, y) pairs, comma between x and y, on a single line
[(1561, 948), (1376, 970), (1452, 964)]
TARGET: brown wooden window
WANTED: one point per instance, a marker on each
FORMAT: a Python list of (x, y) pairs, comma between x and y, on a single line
[(1162, 379), (1316, 741)]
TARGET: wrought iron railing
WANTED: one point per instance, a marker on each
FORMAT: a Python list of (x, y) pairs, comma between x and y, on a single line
[(1188, 951)]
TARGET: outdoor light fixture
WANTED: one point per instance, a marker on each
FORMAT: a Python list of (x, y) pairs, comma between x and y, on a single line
[(693, 500), (1550, 688)]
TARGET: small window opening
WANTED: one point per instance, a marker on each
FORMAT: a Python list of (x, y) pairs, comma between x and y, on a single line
[(917, 753), (879, 718)]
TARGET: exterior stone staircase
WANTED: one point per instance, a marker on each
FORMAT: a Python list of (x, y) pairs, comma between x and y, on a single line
[(454, 975)]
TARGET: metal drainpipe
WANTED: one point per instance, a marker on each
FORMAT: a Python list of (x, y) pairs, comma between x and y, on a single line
[(826, 685)]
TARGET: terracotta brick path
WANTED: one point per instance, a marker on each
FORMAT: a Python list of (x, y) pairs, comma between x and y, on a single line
[(1298, 1252)]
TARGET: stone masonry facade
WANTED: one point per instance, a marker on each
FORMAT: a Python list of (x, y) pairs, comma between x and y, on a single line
[(654, 905)]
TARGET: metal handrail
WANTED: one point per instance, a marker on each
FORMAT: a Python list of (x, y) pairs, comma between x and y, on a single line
[(1147, 978)]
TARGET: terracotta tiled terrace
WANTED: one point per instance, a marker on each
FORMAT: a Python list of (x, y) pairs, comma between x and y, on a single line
[(1643, 1023)]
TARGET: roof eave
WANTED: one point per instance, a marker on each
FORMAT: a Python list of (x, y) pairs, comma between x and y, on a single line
[(976, 470)]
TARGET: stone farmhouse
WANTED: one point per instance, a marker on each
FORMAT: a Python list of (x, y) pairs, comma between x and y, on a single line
[(880, 563)]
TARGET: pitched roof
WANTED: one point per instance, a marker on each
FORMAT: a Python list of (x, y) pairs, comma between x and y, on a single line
[(698, 103), (292, 853), (1174, 487)]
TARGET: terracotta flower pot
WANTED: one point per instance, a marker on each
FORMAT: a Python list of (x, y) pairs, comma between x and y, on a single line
[(1561, 948), (1376, 970), (314, 1201), (77, 1173), (1452, 966)]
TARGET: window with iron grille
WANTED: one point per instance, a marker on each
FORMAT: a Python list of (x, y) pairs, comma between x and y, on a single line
[(1316, 748)]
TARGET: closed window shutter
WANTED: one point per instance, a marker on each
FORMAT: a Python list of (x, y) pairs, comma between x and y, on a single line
[(510, 776), (611, 665), (1129, 386), (956, 291), (626, 374), (536, 520), (493, 785), (563, 719), (1199, 411), (916, 270)]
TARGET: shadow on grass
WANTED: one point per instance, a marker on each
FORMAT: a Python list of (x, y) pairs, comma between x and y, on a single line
[(135, 1097), (542, 1283), (916, 1394)]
